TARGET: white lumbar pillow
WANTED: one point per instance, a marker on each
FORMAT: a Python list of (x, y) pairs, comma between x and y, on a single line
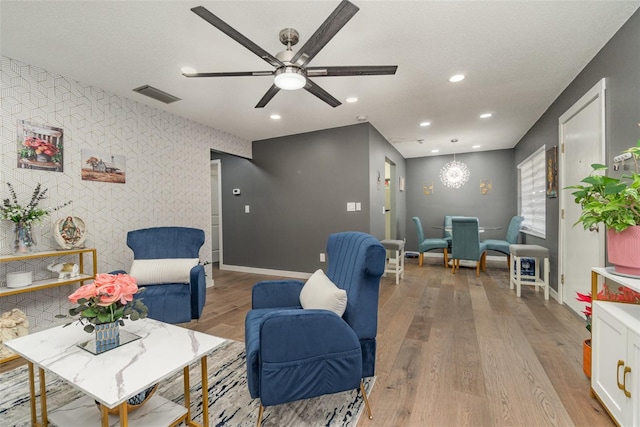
[(320, 292), (165, 270)]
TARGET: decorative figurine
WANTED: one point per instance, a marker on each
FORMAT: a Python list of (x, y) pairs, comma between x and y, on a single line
[(65, 270), (70, 232)]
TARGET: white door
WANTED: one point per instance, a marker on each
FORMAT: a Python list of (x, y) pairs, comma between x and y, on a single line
[(215, 211), (582, 137)]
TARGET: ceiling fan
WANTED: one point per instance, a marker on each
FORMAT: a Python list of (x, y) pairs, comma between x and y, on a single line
[(291, 68)]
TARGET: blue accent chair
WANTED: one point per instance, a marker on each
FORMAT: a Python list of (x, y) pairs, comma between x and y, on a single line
[(171, 302), (295, 354), (465, 233), (425, 245), (513, 232)]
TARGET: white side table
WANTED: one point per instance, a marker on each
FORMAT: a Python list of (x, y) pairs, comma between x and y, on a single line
[(394, 265), (540, 254)]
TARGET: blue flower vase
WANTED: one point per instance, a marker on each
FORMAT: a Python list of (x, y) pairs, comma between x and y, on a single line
[(107, 336)]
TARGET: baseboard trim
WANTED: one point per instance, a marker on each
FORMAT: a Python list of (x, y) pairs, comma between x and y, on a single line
[(265, 271)]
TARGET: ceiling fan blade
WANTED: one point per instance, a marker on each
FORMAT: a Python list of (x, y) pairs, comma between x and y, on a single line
[(234, 34), (329, 28), (230, 74), (321, 93), (365, 70), (267, 96)]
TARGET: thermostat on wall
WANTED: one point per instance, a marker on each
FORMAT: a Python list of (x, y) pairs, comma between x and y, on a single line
[(236, 191)]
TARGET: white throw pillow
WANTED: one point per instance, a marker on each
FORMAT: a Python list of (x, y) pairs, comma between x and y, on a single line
[(159, 271), (320, 292)]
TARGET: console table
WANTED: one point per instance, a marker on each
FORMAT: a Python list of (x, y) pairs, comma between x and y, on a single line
[(52, 282), (615, 350)]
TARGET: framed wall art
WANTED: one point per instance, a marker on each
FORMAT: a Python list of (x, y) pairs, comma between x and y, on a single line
[(552, 172), (39, 147), (103, 167)]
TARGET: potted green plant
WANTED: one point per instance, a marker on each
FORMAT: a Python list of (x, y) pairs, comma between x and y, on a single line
[(615, 202)]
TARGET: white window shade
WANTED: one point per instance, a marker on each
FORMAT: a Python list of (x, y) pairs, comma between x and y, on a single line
[(531, 193)]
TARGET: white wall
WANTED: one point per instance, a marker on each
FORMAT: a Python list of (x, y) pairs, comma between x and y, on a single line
[(167, 171)]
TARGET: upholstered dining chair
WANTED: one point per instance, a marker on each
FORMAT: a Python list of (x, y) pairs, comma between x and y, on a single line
[(513, 232), (425, 245), (166, 265), (465, 233), (447, 229), (310, 339)]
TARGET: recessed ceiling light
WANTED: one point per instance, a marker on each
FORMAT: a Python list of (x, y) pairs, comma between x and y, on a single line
[(435, 150), (485, 115), (423, 124), (352, 99), (456, 78), (188, 70), (275, 116), (361, 118), (475, 146)]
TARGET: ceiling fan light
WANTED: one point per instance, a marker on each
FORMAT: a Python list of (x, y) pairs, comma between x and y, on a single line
[(289, 78)]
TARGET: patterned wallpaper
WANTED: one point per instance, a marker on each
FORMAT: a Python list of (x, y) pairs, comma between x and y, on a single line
[(167, 172)]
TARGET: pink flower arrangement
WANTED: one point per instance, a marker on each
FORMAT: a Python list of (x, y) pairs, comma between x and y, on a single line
[(108, 299), (623, 294)]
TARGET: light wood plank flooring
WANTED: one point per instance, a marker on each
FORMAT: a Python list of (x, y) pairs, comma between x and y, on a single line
[(455, 350)]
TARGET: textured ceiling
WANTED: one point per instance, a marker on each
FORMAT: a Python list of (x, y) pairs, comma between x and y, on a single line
[(518, 57)]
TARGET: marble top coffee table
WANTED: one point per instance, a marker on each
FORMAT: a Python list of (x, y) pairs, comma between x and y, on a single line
[(116, 375)]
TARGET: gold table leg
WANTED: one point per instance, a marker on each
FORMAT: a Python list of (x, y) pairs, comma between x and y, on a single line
[(32, 395), (124, 416), (43, 398), (205, 395), (104, 416), (205, 391), (187, 393)]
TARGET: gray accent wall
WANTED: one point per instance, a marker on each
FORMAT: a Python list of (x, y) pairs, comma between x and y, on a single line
[(297, 188), (380, 150), (493, 209), (619, 62)]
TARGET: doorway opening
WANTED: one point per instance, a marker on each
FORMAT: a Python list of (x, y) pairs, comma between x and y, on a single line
[(390, 186), (216, 214)]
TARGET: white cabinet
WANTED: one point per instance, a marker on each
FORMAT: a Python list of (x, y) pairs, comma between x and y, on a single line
[(615, 357)]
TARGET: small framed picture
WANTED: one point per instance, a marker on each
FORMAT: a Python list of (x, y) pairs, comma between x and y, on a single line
[(552, 172)]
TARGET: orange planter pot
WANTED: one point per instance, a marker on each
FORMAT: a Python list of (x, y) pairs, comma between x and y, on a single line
[(586, 357)]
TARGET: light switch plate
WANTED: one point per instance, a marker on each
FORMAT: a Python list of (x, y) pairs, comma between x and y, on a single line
[(247, 209)]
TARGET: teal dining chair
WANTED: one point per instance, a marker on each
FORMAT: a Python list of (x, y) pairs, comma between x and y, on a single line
[(465, 233), (425, 245), (511, 238)]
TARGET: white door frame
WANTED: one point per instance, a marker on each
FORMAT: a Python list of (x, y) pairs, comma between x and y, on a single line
[(596, 93), (220, 254)]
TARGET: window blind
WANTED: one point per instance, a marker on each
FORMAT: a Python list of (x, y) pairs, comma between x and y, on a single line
[(531, 193)]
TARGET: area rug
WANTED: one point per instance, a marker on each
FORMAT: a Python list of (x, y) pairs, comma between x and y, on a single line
[(229, 400)]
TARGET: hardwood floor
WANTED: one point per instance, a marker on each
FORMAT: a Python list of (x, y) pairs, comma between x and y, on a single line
[(455, 350)]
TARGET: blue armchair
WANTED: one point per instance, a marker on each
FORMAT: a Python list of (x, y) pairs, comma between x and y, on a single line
[(511, 239), (174, 296), (295, 353), (425, 245)]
